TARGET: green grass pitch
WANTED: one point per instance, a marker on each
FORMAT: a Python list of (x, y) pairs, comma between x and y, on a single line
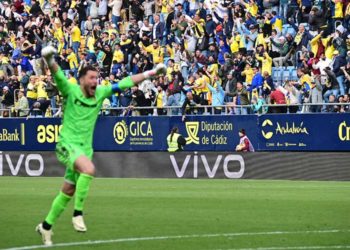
[(205, 214)]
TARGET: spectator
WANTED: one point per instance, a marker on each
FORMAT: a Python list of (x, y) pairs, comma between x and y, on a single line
[(229, 86), (218, 95), (22, 105), (158, 29), (332, 108), (160, 100), (169, 19), (331, 86), (210, 25), (6, 67), (266, 61), (302, 37), (345, 101), (125, 98), (257, 81), (258, 105), (71, 78), (292, 96), (316, 95), (171, 101), (140, 100), (277, 97), (240, 98), (190, 102), (317, 17), (336, 64), (284, 48), (76, 38), (7, 101), (321, 65), (52, 94), (147, 7), (32, 93), (41, 88), (42, 105), (155, 50)]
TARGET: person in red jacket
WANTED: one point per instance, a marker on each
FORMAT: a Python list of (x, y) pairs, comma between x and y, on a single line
[(277, 97)]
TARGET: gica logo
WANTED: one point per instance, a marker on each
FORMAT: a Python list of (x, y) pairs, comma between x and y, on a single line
[(120, 132), (28, 161), (140, 132)]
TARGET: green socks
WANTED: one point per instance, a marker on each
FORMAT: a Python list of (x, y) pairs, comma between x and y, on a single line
[(58, 206), (60, 202), (81, 191)]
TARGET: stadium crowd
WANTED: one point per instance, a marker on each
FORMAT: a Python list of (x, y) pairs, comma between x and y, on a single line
[(240, 53)]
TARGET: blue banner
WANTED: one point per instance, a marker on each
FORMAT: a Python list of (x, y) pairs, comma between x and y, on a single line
[(299, 132), (304, 132), (202, 133)]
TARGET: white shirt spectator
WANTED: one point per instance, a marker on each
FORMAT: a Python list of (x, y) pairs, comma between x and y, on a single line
[(291, 93), (273, 47), (177, 56), (88, 25), (71, 14), (102, 8), (322, 64), (116, 7), (194, 5), (191, 41), (147, 5), (93, 9), (145, 29)]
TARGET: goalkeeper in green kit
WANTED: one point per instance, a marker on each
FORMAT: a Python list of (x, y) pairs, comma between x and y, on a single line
[(82, 104)]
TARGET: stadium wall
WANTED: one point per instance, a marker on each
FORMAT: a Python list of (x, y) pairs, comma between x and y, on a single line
[(299, 132), (194, 165)]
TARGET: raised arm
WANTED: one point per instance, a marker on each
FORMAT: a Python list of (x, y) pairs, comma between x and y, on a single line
[(345, 73), (61, 81), (133, 80)]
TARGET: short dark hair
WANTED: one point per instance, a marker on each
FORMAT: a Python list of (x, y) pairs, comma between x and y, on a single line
[(86, 69)]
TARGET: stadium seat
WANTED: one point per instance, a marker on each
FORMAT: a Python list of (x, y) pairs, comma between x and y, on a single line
[(287, 28), (293, 75), (277, 74), (286, 74), (291, 31), (306, 25)]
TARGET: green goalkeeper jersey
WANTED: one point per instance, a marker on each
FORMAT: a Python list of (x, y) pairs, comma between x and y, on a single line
[(80, 112)]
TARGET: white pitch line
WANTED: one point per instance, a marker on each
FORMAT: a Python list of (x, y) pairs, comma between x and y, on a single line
[(291, 248), (174, 237)]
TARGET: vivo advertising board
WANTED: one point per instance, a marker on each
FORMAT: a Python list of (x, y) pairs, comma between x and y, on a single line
[(192, 165)]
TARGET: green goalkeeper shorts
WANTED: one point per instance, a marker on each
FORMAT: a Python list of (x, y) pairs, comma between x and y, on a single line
[(67, 154)]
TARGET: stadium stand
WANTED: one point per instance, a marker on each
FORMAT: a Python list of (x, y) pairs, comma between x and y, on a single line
[(209, 47)]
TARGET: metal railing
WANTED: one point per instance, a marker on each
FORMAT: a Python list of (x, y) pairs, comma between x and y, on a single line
[(201, 109)]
